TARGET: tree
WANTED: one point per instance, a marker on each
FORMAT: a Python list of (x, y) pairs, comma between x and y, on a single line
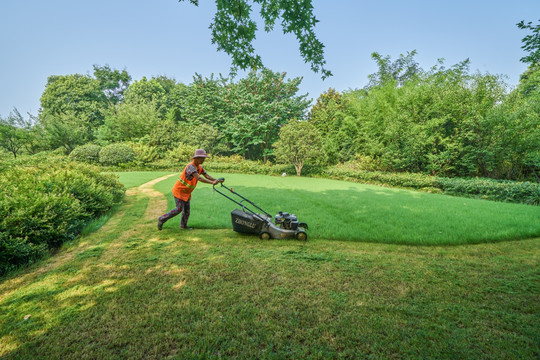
[(529, 81), (233, 30), (257, 106), (204, 101), (12, 134), (66, 130), (248, 113), (148, 92), (131, 121), (113, 83), (403, 69), (78, 95), (298, 142), (531, 43)]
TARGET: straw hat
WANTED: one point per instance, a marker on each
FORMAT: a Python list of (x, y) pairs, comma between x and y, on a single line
[(200, 153)]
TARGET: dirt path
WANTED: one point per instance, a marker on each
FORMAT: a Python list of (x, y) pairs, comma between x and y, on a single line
[(158, 203)]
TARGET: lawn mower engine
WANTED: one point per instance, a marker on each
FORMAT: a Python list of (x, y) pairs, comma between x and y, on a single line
[(286, 225)]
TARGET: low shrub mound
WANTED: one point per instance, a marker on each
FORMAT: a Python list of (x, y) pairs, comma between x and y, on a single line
[(88, 153), (116, 154), (44, 204)]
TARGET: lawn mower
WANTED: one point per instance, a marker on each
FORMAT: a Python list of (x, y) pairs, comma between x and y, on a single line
[(247, 221)]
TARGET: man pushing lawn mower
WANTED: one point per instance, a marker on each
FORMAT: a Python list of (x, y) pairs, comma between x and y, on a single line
[(185, 185)]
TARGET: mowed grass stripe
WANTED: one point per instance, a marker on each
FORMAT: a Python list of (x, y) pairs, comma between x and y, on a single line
[(342, 210)]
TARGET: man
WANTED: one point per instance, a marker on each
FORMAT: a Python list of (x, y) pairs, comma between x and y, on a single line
[(183, 187)]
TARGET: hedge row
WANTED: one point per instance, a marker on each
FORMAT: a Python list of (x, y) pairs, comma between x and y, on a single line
[(45, 203), (114, 154), (489, 189)]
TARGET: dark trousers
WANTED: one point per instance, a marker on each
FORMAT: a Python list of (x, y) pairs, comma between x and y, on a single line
[(181, 207)]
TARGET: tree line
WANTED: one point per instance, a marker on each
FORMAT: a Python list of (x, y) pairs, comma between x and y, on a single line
[(445, 121)]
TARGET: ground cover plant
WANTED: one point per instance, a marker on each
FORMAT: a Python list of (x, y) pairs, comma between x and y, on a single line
[(130, 291), (357, 212)]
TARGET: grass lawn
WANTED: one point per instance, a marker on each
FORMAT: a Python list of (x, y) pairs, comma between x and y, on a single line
[(350, 211), (130, 291), (132, 179)]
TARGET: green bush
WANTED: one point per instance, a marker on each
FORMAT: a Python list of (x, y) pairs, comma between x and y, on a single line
[(116, 154), (15, 251), (88, 153), (510, 191), (181, 154), (44, 204), (144, 153)]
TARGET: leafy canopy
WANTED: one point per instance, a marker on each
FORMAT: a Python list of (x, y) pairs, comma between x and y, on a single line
[(233, 30), (531, 42)]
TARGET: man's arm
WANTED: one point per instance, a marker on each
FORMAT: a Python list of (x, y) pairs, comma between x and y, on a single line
[(209, 179)]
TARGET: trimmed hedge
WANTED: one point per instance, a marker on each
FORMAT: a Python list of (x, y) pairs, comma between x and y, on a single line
[(43, 204), (502, 190), (116, 154), (88, 153)]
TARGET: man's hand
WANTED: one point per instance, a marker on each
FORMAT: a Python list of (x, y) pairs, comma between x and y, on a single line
[(220, 180)]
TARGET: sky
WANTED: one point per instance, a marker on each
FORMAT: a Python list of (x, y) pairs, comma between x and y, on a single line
[(166, 37)]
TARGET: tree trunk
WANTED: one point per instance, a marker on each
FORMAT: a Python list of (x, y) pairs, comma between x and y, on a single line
[(299, 167)]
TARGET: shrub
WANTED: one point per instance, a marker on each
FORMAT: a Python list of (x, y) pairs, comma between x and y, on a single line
[(44, 204), (116, 154), (144, 153), (182, 153), (15, 251), (502, 190), (88, 153)]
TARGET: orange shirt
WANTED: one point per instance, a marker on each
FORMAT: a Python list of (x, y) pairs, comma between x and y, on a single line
[(186, 183)]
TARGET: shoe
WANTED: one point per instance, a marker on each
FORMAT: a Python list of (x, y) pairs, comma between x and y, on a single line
[(185, 228), (159, 225)]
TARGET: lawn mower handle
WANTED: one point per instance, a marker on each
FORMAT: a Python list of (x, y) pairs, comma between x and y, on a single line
[(243, 199)]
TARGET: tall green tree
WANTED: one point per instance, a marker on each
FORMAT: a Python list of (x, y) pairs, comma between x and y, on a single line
[(529, 81), (323, 114), (77, 95), (326, 115), (299, 141), (204, 101), (233, 30), (247, 113), (257, 107), (445, 121), (401, 70), (150, 91), (72, 108), (112, 82), (130, 122)]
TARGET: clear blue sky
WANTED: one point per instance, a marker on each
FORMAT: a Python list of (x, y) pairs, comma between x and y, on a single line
[(163, 37)]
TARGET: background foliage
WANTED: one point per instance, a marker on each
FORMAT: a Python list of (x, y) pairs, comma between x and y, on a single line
[(444, 122)]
